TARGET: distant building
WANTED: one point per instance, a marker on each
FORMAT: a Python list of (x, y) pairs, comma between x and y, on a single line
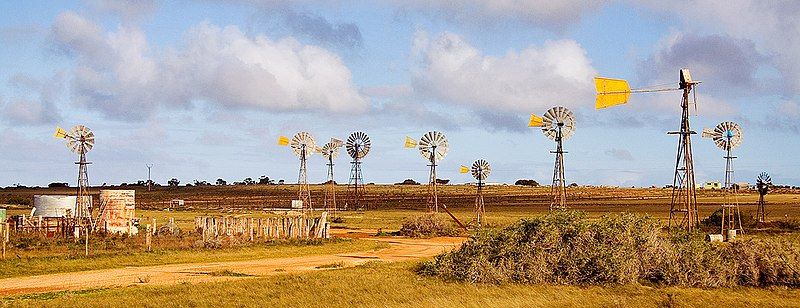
[(743, 185), (712, 185)]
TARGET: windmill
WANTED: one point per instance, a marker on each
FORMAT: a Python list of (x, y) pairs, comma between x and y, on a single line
[(763, 184), (303, 145), (728, 135), (612, 92), (330, 151), (480, 171), (433, 147), (80, 140), (358, 146), (558, 124)]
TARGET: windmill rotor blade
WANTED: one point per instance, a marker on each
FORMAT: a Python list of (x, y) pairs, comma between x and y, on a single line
[(303, 142), (433, 144), (480, 169), (557, 117), (727, 135), (358, 145)]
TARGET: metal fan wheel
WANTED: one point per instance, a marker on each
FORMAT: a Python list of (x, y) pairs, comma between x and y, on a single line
[(555, 117), (481, 169), (303, 139), (434, 142), (727, 135), (358, 145), (80, 139), (330, 151)]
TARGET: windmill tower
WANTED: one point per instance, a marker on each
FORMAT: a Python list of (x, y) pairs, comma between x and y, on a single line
[(433, 147), (330, 151), (683, 207), (558, 124), (358, 146), (763, 184), (80, 140), (303, 145), (480, 171), (728, 135)]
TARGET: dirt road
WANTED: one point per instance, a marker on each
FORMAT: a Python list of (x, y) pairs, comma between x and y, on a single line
[(400, 249)]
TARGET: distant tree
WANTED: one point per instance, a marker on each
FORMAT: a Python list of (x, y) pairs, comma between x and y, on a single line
[(524, 182), (408, 182), (57, 184), (281, 182), (173, 182), (249, 181), (573, 185), (264, 180), (221, 182), (442, 181), (201, 183)]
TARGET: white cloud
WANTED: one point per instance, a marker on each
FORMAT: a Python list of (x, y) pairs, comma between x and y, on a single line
[(774, 27), (530, 80), (118, 74), (554, 15), (24, 110)]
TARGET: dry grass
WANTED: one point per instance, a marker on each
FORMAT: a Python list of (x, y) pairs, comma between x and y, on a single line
[(14, 267), (395, 285), (565, 248)]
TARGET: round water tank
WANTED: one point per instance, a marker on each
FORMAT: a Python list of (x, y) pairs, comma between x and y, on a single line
[(53, 205)]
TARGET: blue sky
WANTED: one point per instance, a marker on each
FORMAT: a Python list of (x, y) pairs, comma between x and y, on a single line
[(203, 89)]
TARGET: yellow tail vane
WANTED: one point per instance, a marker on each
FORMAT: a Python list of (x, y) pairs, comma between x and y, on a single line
[(536, 121), (283, 141), (611, 92), (60, 133), (463, 169), (410, 143)]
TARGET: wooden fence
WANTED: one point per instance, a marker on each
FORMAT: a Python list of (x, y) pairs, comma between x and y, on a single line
[(212, 227)]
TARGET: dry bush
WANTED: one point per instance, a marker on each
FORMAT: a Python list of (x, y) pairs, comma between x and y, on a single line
[(428, 225), (566, 248)]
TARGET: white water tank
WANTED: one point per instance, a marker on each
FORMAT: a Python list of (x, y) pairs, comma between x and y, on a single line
[(53, 205)]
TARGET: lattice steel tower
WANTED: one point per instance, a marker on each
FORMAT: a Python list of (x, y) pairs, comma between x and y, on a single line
[(358, 145), (683, 206)]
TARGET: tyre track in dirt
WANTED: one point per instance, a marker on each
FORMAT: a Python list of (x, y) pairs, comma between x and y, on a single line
[(400, 249)]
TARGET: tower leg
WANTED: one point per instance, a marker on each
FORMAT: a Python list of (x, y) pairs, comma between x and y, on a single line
[(683, 207)]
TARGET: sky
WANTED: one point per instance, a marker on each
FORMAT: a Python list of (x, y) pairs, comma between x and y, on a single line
[(203, 89)]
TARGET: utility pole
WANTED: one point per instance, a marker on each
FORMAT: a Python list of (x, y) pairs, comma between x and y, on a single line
[(149, 182)]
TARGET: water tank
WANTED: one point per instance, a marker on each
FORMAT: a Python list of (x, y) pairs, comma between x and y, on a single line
[(53, 205), (119, 211)]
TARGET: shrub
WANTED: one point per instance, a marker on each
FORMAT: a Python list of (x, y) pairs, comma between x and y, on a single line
[(427, 226), (566, 248)]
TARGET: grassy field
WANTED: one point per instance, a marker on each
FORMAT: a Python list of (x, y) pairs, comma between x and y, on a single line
[(60, 262), (396, 285), (390, 285)]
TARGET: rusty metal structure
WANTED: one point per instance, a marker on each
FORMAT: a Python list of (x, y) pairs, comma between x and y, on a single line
[(80, 139), (683, 207), (119, 212), (683, 204), (763, 185), (330, 151), (728, 135), (480, 171), (358, 145), (303, 145), (558, 124)]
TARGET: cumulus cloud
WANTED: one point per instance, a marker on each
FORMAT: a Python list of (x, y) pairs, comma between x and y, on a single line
[(128, 11), (24, 110), (554, 15), (727, 62), (119, 75), (535, 78), (324, 32), (774, 27)]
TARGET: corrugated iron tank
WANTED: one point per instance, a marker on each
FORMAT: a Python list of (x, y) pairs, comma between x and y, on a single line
[(119, 211), (53, 205)]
